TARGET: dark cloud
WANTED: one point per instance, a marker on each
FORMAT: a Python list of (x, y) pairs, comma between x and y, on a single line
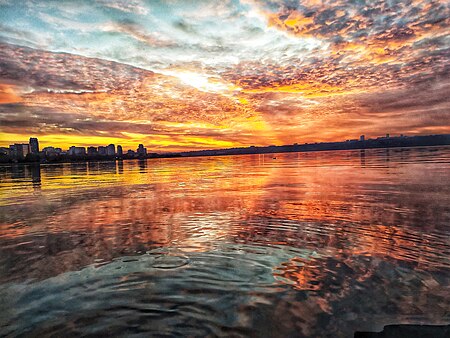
[(40, 120), (41, 69), (424, 96)]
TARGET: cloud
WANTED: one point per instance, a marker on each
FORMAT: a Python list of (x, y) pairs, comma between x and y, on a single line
[(235, 72), (136, 32), (46, 70), (422, 97), (128, 6), (8, 94)]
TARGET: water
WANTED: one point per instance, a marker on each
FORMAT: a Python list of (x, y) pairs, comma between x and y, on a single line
[(308, 244)]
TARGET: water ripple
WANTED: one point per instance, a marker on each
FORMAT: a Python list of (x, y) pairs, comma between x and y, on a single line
[(228, 246)]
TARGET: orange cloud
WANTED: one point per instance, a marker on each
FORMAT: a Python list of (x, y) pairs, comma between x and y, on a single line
[(8, 94)]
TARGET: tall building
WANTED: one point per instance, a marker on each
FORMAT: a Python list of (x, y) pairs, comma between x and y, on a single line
[(102, 151), (92, 151), (119, 150), (12, 151), (49, 151), (34, 145), (76, 151), (111, 150), (19, 150), (362, 138), (141, 150)]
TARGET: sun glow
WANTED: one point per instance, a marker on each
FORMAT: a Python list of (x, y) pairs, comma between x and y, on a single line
[(203, 82)]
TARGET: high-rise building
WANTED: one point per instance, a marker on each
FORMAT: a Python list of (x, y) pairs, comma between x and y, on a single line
[(102, 151), (92, 151), (34, 145), (12, 151), (111, 150), (19, 150), (76, 151), (119, 150), (362, 138), (141, 150)]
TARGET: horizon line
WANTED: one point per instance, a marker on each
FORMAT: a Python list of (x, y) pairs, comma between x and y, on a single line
[(387, 135)]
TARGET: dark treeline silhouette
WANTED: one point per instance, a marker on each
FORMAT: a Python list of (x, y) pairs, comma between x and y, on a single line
[(362, 143)]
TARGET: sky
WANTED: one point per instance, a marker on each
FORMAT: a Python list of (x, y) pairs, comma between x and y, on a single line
[(186, 75)]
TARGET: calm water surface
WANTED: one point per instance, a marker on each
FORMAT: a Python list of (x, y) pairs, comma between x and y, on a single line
[(316, 244)]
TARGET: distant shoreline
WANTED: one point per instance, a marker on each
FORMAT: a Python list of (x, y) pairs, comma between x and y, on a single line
[(381, 142), (378, 143)]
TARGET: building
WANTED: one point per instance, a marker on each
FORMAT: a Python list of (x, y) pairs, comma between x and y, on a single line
[(92, 151), (102, 151), (362, 138), (19, 150), (49, 151), (141, 151), (34, 145), (76, 151), (119, 150), (111, 150)]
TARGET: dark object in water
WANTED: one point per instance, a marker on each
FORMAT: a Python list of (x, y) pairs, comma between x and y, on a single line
[(410, 331)]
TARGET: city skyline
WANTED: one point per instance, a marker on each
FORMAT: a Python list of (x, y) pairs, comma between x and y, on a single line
[(180, 76), (103, 146), (22, 151)]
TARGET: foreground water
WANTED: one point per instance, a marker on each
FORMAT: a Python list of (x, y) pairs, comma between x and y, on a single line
[(316, 244)]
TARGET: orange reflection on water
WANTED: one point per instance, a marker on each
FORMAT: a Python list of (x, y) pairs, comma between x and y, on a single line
[(341, 205)]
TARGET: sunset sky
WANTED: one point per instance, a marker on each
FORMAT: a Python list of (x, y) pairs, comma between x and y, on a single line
[(184, 75)]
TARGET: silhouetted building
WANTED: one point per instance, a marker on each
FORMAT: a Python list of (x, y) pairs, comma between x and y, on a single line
[(49, 151), (4, 151), (362, 138), (141, 151), (119, 150), (387, 135), (34, 145), (76, 151), (102, 151), (19, 150), (24, 148), (12, 151), (111, 150), (92, 151)]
